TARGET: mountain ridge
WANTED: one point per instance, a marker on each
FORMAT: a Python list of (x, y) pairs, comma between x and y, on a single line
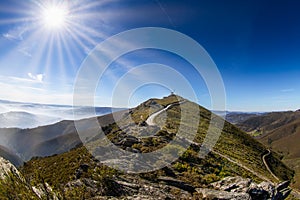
[(75, 171)]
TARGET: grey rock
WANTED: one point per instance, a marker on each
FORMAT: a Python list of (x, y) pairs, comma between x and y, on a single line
[(129, 141), (44, 191), (7, 169), (233, 184), (239, 186), (177, 183), (267, 186), (217, 194)]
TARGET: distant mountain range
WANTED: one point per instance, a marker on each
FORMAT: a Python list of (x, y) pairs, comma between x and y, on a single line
[(235, 117), (31, 115), (45, 140)]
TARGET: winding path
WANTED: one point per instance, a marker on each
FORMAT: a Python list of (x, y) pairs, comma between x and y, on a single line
[(150, 121), (243, 166), (267, 166)]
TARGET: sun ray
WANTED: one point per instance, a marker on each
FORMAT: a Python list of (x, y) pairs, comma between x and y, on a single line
[(15, 20), (78, 41), (90, 31), (84, 37), (59, 33), (71, 55), (61, 64), (91, 5)]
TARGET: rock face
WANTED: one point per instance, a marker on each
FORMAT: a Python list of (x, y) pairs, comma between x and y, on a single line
[(44, 191), (7, 169), (10, 177), (244, 189), (231, 188)]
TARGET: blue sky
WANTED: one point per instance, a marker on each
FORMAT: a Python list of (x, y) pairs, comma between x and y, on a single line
[(255, 45)]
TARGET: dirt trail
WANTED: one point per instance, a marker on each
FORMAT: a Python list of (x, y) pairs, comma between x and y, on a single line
[(267, 166), (150, 121)]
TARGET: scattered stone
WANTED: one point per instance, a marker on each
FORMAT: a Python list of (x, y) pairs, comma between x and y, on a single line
[(244, 188)]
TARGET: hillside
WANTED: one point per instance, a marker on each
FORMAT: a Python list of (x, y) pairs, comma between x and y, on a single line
[(13, 185), (269, 122), (46, 140), (281, 132), (77, 173)]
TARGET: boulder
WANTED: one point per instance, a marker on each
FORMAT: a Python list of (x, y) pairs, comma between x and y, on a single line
[(232, 187), (217, 194), (233, 184)]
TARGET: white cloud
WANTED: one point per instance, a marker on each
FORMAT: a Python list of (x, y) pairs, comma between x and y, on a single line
[(25, 51), (29, 90), (37, 77), (288, 90), (10, 36), (16, 34)]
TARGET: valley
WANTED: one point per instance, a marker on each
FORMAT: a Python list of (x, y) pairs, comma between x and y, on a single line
[(280, 132)]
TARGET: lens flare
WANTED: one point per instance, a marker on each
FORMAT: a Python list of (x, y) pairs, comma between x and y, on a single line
[(54, 17)]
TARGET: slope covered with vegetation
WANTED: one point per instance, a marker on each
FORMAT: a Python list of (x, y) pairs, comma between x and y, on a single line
[(76, 174), (279, 131)]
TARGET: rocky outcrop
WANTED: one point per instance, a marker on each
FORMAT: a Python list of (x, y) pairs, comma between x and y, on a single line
[(127, 187), (241, 188), (132, 187), (177, 183), (12, 179), (44, 191), (7, 169), (217, 194)]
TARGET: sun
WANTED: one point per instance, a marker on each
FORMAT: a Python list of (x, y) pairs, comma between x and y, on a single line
[(54, 17)]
